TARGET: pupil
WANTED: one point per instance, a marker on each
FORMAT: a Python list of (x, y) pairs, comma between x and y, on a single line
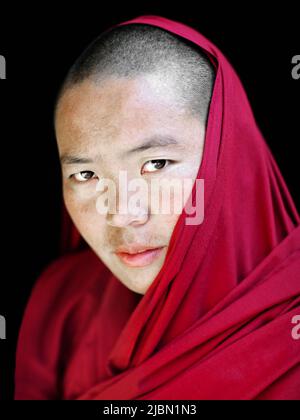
[(159, 163), (86, 174)]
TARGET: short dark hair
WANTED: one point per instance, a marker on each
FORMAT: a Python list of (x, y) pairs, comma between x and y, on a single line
[(134, 50)]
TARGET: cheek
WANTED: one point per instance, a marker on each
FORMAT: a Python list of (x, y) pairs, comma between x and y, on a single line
[(164, 224), (84, 215), (169, 198), (79, 199), (74, 207)]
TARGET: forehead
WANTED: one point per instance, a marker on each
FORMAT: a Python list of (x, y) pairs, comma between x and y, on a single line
[(117, 111)]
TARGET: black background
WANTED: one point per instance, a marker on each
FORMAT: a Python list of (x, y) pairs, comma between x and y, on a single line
[(40, 43)]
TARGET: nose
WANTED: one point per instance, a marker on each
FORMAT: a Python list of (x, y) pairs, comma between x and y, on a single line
[(123, 220), (127, 213), (123, 209)]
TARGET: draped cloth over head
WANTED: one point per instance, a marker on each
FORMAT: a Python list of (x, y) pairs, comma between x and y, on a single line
[(217, 321)]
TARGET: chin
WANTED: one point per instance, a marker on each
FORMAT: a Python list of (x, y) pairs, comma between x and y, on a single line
[(137, 285), (140, 291), (137, 279)]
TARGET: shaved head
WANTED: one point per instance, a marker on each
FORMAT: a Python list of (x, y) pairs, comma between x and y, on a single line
[(131, 51)]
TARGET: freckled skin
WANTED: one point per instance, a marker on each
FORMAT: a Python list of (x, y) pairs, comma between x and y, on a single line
[(100, 121)]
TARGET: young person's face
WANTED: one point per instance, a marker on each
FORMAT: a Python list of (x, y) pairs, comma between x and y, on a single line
[(97, 128)]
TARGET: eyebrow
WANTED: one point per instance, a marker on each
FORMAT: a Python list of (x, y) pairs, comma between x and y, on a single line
[(156, 141), (73, 160)]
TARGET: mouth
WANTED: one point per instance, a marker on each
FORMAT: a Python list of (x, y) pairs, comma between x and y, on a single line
[(139, 257)]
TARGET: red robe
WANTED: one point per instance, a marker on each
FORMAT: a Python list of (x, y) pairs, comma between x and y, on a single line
[(220, 319)]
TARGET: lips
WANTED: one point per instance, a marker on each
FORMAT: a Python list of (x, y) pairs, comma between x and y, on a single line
[(137, 256)]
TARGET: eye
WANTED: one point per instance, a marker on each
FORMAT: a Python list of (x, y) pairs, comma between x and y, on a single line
[(84, 176), (154, 165)]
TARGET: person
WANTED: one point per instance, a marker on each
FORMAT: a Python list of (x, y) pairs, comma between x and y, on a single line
[(147, 304)]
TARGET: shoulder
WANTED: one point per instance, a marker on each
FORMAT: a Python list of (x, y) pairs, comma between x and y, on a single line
[(66, 281), (58, 306), (68, 288), (72, 262)]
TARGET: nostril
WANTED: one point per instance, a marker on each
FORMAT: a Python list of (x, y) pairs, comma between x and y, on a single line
[(122, 220)]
